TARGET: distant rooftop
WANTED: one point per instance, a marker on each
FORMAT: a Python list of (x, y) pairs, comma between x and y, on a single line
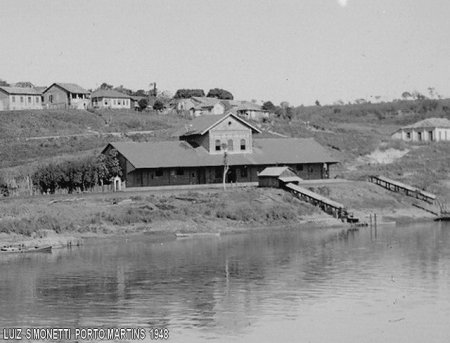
[(71, 88), (428, 123), (20, 91), (109, 93)]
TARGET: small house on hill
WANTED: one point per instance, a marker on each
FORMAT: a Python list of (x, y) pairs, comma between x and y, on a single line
[(110, 98), (204, 146), (277, 177), (18, 98), (66, 95), (206, 106), (427, 130)]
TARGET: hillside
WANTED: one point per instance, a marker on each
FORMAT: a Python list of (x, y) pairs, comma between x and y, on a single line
[(358, 134)]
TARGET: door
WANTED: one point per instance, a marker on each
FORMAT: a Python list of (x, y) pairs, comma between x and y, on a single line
[(201, 175)]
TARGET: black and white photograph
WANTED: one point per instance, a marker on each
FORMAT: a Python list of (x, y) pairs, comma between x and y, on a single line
[(225, 171)]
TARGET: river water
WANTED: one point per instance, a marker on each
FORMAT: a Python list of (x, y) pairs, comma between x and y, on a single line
[(291, 285)]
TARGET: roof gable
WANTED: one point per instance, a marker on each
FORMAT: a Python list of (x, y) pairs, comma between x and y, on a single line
[(69, 87), (203, 124)]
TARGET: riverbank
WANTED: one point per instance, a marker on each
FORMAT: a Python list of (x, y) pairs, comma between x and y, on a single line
[(61, 220)]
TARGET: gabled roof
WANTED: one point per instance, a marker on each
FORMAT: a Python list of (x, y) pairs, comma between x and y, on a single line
[(20, 91), (271, 151), (429, 123), (201, 125), (273, 171), (109, 93), (69, 87)]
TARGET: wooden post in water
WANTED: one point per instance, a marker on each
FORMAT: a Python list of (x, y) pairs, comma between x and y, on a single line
[(370, 219), (375, 219)]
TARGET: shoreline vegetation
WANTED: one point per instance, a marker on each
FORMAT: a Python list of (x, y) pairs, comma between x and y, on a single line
[(359, 135), (60, 220)]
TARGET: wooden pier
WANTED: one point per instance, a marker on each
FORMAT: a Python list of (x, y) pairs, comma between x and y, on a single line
[(400, 187), (330, 206)]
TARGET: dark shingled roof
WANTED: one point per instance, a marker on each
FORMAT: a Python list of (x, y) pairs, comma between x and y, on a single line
[(265, 152), (109, 93), (201, 125)]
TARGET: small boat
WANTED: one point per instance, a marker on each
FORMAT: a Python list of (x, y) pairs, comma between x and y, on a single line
[(23, 250)]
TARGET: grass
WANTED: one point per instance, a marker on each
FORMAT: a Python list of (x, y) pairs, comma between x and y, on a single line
[(99, 213)]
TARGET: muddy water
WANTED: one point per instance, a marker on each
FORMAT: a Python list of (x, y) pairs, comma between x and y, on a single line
[(319, 285)]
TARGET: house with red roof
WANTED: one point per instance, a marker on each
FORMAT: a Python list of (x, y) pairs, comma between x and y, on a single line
[(20, 98), (65, 96), (207, 143)]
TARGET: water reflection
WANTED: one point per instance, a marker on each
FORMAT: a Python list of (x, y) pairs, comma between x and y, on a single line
[(281, 284)]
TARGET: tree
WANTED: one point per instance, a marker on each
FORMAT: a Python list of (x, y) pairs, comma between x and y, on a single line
[(284, 104), (106, 86), (143, 103), (158, 105), (188, 93), (3, 83), (24, 84), (140, 92), (406, 95), (220, 94), (124, 90), (269, 106), (317, 103)]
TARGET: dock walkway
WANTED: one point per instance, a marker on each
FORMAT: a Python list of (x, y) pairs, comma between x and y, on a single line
[(397, 186), (330, 206)]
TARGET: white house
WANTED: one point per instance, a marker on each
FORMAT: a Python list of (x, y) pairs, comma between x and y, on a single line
[(17, 98), (427, 130), (110, 98)]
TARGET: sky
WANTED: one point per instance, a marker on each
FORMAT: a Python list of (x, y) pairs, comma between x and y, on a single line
[(298, 51)]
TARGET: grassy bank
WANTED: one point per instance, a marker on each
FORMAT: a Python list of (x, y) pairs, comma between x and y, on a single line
[(202, 211)]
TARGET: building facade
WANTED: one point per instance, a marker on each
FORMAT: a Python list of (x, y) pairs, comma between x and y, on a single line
[(210, 143), (17, 98), (66, 96), (110, 98), (428, 130)]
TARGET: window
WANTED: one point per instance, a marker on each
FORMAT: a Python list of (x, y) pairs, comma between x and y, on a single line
[(159, 172), (74, 96), (217, 144), (230, 145), (408, 135), (37, 100), (50, 98), (115, 102), (179, 171), (419, 136), (29, 99), (243, 147), (21, 99), (13, 98), (118, 102), (430, 134), (244, 172)]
